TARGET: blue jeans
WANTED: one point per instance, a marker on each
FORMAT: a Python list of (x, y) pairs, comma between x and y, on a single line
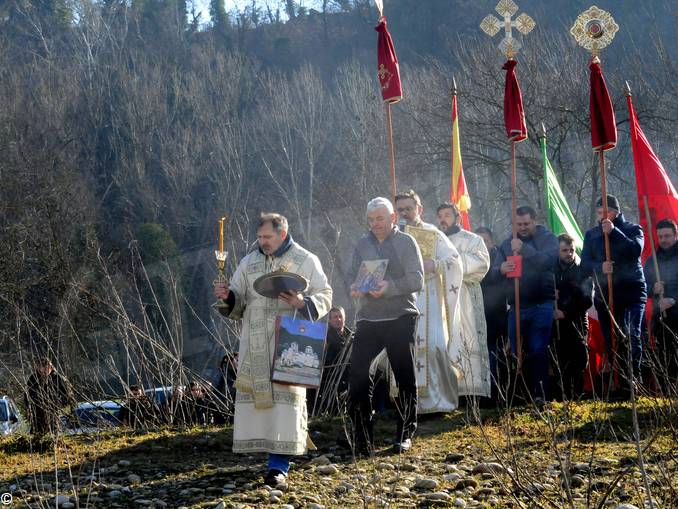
[(629, 317), (279, 462), (535, 327)]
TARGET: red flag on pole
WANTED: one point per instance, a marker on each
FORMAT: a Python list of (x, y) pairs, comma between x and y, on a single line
[(514, 116), (387, 65), (652, 182), (603, 124)]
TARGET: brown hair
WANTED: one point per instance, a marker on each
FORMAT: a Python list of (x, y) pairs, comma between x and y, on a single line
[(566, 238), (277, 221), (409, 195)]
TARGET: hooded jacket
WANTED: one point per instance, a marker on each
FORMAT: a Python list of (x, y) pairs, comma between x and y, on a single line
[(626, 244)]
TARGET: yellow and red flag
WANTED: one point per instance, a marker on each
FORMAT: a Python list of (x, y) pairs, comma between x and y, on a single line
[(458, 191)]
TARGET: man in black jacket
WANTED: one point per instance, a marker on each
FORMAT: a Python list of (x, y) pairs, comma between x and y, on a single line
[(538, 248), (664, 310), (626, 245), (496, 312), (139, 412), (46, 393), (574, 292)]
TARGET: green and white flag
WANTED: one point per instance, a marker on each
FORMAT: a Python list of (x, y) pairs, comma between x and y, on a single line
[(559, 217)]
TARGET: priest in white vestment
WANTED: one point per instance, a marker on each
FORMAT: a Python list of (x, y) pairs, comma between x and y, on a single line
[(438, 303), (271, 417), (470, 355)]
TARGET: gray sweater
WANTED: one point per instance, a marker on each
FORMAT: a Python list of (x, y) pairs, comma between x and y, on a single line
[(404, 274)]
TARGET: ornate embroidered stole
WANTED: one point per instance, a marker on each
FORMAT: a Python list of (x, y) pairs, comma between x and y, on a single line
[(255, 371), (427, 240)]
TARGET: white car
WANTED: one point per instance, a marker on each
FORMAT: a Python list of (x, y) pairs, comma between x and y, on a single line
[(11, 420)]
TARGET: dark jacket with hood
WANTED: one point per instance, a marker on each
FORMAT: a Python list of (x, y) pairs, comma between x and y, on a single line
[(539, 252), (626, 244)]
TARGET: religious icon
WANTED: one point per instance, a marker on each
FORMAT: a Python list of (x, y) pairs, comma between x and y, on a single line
[(370, 275)]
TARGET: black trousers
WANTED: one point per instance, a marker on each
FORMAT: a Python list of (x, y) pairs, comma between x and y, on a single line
[(397, 336), (572, 356), (665, 355)]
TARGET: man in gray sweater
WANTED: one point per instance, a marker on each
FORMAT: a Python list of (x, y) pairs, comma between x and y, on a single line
[(386, 318)]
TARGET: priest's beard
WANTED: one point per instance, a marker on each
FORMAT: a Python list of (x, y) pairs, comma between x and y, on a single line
[(450, 230)]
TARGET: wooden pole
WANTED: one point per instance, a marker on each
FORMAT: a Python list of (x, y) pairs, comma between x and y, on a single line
[(608, 258), (514, 229), (389, 130), (655, 263)]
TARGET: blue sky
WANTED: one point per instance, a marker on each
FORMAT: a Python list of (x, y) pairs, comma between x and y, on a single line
[(203, 5)]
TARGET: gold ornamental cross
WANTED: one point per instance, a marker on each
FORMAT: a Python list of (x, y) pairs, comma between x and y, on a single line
[(594, 29), (509, 45)]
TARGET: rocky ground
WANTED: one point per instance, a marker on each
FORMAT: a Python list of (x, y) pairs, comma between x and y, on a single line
[(562, 456)]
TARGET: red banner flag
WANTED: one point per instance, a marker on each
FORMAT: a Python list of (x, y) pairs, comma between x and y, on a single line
[(514, 116), (652, 182), (603, 124), (387, 65)]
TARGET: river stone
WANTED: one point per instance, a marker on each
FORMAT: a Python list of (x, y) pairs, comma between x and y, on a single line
[(124, 463), (320, 460), (454, 457), (484, 492), (488, 468), (459, 502), (386, 466), (327, 469), (59, 500), (625, 506), (133, 478), (425, 484), (438, 495), (466, 483)]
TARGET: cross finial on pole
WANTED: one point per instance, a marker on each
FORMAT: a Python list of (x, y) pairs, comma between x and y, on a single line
[(509, 45)]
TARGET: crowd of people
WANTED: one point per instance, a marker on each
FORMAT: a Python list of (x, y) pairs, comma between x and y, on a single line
[(445, 323), (443, 319), (200, 403)]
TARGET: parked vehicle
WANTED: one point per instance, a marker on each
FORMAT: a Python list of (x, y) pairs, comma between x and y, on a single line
[(11, 420), (99, 414)]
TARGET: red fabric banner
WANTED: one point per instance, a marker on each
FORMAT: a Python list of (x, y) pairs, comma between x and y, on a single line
[(603, 124), (514, 116), (388, 69), (652, 182)]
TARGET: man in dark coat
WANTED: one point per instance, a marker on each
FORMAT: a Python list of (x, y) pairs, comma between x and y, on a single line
[(626, 245), (538, 248), (574, 292), (46, 394), (139, 411), (335, 371), (198, 405), (496, 314), (664, 310)]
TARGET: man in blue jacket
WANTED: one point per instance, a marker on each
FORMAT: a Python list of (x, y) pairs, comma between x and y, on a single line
[(628, 283), (539, 250)]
